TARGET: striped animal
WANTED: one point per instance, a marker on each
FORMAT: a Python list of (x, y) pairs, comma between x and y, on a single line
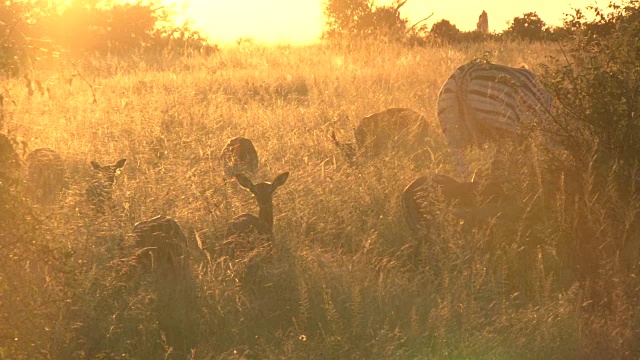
[(45, 175), (239, 156), (471, 201), (481, 101), (160, 243), (244, 229), (395, 129), (100, 191), (425, 198)]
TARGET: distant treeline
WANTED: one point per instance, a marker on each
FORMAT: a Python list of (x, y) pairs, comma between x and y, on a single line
[(35, 30), (349, 20)]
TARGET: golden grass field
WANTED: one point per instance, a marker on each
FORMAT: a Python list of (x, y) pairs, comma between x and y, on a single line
[(341, 282)]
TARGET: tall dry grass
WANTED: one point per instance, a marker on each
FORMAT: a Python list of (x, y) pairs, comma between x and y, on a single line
[(554, 277)]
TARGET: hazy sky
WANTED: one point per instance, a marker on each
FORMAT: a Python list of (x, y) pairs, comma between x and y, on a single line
[(301, 21)]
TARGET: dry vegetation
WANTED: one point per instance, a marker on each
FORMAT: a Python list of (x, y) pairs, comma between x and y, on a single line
[(342, 280)]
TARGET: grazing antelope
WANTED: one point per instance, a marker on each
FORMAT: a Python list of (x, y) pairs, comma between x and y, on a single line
[(239, 156), (45, 175), (100, 191), (482, 101), (248, 226), (392, 129), (160, 241), (471, 201)]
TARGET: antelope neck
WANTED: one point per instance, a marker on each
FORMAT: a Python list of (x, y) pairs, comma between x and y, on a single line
[(266, 214)]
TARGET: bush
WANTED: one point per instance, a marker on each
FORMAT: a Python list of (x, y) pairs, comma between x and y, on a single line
[(597, 85)]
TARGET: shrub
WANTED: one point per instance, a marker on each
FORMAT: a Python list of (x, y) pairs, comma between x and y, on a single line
[(597, 85)]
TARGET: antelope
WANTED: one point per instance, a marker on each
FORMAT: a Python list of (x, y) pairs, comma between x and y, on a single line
[(100, 191), (391, 129), (248, 226), (469, 201), (239, 156), (462, 195), (160, 241), (45, 175)]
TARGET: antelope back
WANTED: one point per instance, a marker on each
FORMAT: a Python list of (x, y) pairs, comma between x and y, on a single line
[(160, 242), (392, 129), (45, 175), (239, 156)]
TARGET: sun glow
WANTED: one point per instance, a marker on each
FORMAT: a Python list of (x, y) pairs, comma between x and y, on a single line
[(301, 21), (274, 21)]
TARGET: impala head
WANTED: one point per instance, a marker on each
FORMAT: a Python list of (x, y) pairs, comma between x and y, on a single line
[(349, 149), (249, 225), (109, 172), (263, 191)]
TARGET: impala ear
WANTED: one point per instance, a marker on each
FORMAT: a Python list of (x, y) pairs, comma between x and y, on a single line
[(244, 181), (279, 180), (335, 138), (120, 163), (95, 165)]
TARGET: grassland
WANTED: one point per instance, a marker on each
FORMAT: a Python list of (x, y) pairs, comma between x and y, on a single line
[(556, 280)]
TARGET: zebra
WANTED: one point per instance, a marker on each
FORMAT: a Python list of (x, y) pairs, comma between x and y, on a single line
[(482, 101)]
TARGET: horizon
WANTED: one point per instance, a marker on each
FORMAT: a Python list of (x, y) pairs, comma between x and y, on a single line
[(292, 22)]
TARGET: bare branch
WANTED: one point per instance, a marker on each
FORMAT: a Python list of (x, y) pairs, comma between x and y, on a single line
[(400, 4), (416, 24)]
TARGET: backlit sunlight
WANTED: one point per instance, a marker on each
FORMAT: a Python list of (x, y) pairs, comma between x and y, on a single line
[(301, 21)]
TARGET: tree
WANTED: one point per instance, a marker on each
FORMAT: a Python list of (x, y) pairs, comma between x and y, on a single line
[(21, 34), (33, 30), (445, 31), (360, 19), (528, 27), (597, 83)]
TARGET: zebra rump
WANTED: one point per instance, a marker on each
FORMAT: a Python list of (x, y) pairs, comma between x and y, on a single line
[(481, 100)]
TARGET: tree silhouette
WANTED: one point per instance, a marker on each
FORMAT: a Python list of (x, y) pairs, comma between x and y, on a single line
[(35, 30), (445, 31), (528, 27), (360, 19)]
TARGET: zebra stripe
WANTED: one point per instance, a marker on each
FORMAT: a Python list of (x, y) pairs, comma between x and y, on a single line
[(481, 100)]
